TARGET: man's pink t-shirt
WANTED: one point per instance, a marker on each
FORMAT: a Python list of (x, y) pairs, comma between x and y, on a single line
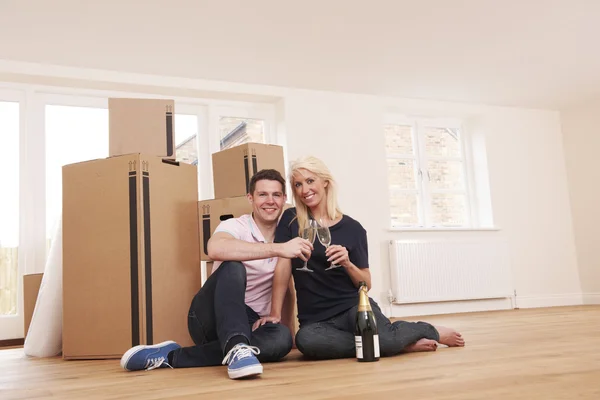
[(259, 273)]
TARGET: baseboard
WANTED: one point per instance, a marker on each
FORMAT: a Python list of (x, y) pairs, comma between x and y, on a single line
[(553, 300), (448, 307), (452, 307), (11, 342), (591, 298)]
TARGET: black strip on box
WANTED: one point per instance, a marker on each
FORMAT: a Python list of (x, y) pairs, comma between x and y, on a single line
[(254, 163), (247, 171), (205, 226), (133, 256), (169, 118), (225, 217), (147, 253)]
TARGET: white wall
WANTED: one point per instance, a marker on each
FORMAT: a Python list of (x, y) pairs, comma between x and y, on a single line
[(581, 129), (528, 181)]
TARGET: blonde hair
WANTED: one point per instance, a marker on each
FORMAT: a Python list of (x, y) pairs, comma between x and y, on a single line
[(318, 168)]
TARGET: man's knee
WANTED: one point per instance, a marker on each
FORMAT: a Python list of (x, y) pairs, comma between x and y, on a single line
[(278, 345), (232, 270)]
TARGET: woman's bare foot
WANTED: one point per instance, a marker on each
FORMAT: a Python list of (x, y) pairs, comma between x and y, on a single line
[(421, 345), (450, 337)]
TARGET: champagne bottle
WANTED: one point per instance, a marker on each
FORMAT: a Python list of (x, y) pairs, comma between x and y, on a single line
[(366, 338)]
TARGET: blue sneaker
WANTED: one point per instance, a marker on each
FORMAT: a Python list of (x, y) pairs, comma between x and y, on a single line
[(148, 357), (242, 362)]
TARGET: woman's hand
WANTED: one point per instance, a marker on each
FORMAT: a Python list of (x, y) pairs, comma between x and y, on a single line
[(338, 255)]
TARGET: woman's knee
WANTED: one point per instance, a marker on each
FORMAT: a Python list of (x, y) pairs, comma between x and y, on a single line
[(305, 341), (320, 342)]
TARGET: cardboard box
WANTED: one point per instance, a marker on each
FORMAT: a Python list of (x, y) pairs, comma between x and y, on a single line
[(131, 257), (233, 168), (212, 212), (143, 126), (31, 288)]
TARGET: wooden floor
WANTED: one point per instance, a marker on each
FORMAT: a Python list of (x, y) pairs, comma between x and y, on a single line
[(551, 353)]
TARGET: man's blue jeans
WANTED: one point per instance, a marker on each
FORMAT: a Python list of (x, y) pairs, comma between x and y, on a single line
[(218, 313)]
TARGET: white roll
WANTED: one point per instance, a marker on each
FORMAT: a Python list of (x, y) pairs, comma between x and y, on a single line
[(44, 338)]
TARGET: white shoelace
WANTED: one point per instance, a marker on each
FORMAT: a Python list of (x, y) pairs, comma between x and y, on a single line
[(153, 363), (244, 351)]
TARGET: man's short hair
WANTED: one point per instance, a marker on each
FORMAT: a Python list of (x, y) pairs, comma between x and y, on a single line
[(266, 174)]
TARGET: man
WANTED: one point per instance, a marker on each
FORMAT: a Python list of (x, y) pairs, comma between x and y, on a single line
[(226, 317)]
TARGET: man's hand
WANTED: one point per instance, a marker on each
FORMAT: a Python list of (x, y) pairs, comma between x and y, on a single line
[(337, 255), (296, 248), (261, 321)]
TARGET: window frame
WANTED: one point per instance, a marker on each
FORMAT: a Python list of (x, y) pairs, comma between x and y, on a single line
[(421, 164), (12, 325)]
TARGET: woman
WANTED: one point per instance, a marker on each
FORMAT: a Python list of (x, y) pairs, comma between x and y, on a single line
[(328, 298)]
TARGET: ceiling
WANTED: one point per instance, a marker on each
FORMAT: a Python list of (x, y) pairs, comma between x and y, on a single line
[(527, 53)]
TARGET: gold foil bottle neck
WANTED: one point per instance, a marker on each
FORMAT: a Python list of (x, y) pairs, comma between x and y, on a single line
[(363, 299)]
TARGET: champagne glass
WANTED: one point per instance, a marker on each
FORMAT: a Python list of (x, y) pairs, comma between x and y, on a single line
[(309, 234), (324, 236)]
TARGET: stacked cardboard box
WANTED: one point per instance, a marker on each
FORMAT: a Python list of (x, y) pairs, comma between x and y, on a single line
[(134, 232), (131, 256), (232, 170), (144, 126)]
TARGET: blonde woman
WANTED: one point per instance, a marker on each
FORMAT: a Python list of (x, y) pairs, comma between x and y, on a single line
[(326, 290)]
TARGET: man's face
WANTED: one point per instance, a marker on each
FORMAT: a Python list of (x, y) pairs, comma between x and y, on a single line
[(267, 201)]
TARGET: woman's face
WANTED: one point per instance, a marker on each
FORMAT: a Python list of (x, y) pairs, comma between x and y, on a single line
[(309, 188)]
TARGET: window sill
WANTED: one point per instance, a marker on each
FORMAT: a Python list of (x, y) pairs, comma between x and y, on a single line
[(445, 229)]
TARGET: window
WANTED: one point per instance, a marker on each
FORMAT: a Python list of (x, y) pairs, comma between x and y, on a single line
[(73, 134), (426, 174), (235, 131), (233, 125), (9, 207), (186, 138)]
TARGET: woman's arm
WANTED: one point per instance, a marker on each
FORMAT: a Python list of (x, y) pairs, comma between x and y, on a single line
[(338, 255), (281, 280), (359, 275)]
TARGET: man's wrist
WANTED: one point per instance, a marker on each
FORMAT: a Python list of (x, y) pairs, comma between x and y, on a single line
[(275, 249)]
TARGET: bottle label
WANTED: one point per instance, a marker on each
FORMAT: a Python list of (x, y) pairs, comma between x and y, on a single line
[(376, 345), (358, 345)]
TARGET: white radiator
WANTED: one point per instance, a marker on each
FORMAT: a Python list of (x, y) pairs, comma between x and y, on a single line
[(450, 270)]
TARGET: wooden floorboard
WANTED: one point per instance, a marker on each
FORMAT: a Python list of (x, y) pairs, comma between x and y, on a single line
[(551, 353)]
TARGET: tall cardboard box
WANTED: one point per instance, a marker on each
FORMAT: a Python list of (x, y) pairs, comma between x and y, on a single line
[(212, 212), (233, 168), (31, 288), (143, 126), (131, 258)]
